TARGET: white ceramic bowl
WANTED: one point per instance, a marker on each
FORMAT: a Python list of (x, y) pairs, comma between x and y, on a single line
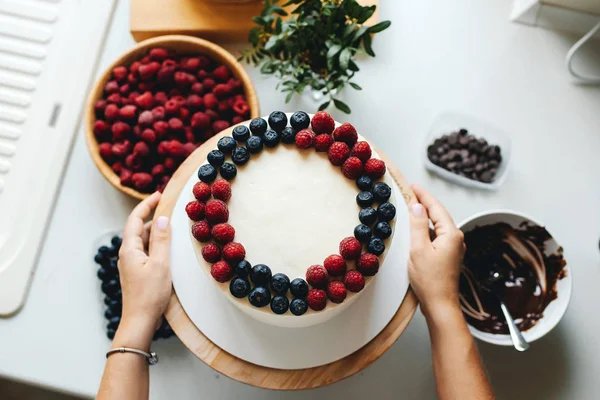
[(555, 310), (450, 122)]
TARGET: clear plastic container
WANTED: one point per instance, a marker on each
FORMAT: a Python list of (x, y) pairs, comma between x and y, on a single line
[(449, 122)]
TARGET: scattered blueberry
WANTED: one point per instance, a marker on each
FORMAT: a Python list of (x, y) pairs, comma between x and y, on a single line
[(376, 246), (241, 133), (288, 135), (216, 158), (100, 259), (228, 171), (363, 233), (254, 144), (299, 120), (110, 287), (381, 191), (277, 120), (118, 295), (260, 275), (239, 287), (383, 230), (364, 199), (367, 216), (280, 304), (207, 173), (243, 268), (258, 126), (280, 283), (386, 212), (298, 306), (116, 242), (108, 301), (226, 144), (108, 313), (240, 156), (271, 138), (364, 183), (102, 274), (299, 287), (113, 267), (104, 251), (259, 296), (111, 333)]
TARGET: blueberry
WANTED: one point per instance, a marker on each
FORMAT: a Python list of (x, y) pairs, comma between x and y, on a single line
[(280, 283), (101, 259), (288, 135), (259, 296), (364, 183), (258, 126), (216, 158), (114, 322), (113, 251), (367, 216), (226, 144), (240, 156), (117, 296), (260, 275), (108, 313), (228, 171), (116, 241), (280, 304), (104, 250), (207, 173), (116, 306), (271, 138), (239, 287), (112, 268), (102, 274), (363, 233), (381, 191), (110, 287), (243, 268), (383, 230), (364, 199), (254, 144), (299, 120), (241, 133), (108, 301), (299, 287), (110, 333), (298, 306), (376, 246), (386, 212), (277, 120)]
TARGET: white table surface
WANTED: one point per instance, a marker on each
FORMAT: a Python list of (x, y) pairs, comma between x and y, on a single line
[(439, 55)]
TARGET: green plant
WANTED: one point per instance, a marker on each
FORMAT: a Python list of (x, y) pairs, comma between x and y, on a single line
[(315, 46)]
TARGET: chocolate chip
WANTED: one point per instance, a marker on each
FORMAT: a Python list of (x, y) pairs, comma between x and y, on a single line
[(479, 167), (453, 139), (487, 176), (440, 150), (452, 165), (493, 164), (463, 140), (444, 138), (431, 149), (463, 132)]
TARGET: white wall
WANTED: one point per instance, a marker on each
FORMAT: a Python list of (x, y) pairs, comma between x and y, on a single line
[(592, 6)]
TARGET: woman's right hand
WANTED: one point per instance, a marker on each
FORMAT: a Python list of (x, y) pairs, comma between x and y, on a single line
[(434, 266)]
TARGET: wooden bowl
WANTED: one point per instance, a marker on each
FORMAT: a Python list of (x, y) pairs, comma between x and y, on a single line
[(181, 45)]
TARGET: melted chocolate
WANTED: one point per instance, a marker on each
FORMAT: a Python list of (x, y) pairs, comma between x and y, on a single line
[(529, 275)]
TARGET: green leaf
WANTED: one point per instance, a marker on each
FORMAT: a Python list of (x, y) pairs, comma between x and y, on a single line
[(278, 25), (367, 45), (340, 105), (289, 97), (383, 25), (259, 20), (345, 58), (355, 86), (278, 10), (333, 50), (353, 67), (271, 43), (361, 31), (348, 30), (365, 14), (324, 105)]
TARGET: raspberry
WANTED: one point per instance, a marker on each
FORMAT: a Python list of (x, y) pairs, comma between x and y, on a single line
[(121, 149), (316, 299), (234, 252), (141, 149), (221, 190), (119, 131), (335, 265), (171, 107), (221, 271), (117, 167), (220, 125), (210, 100), (100, 127), (194, 101), (362, 151), (145, 100), (204, 61), (141, 180), (159, 170), (222, 90), (133, 162), (201, 231), (124, 89), (209, 84), (221, 73), (317, 276), (99, 107), (132, 79), (170, 164), (160, 98), (200, 120), (176, 125), (211, 252), (184, 114), (368, 264), (120, 73), (111, 87), (158, 54), (336, 291), (216, 212), (146, 71), (374, 168), (345, 133), (223, 233), (195, 210), (350, 248), (159, 113), (115, 98), (135, 67), (352, 168), (223, 107), (201, 191), (240, 107), (305, 139), (338, 153), (105, 150), (212, 114), (111, 112), (189, 148), (237, 120), (323, 141), (146, 118), (160, 128), (126, 177), (354, 281), (175, 148), (191, 64), (322, 122), (128, 112), (183, 79)]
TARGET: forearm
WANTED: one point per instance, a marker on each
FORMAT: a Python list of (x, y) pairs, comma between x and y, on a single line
[(126, 374), (458, 369)]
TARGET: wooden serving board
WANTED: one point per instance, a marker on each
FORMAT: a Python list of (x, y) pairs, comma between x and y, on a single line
[(264, 377), (204, 18)]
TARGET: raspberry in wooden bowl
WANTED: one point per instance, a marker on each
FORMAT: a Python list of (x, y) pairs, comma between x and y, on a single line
[(157, 103)]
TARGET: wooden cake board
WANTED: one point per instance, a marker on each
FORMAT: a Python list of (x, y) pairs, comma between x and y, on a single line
[(210, 20), (270, 378)]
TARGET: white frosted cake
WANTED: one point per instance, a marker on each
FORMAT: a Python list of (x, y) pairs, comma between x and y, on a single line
[(275, 224)]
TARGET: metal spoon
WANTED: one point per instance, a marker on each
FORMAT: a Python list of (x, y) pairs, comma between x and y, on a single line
[(495, 285)]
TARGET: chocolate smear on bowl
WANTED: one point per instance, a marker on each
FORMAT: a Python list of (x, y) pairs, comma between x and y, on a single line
[(530, 275)]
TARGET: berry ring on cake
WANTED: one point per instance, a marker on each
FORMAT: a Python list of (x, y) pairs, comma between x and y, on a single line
[(292, 216)]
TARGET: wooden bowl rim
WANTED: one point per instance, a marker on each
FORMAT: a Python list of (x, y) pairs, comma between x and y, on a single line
[(204, 45)]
